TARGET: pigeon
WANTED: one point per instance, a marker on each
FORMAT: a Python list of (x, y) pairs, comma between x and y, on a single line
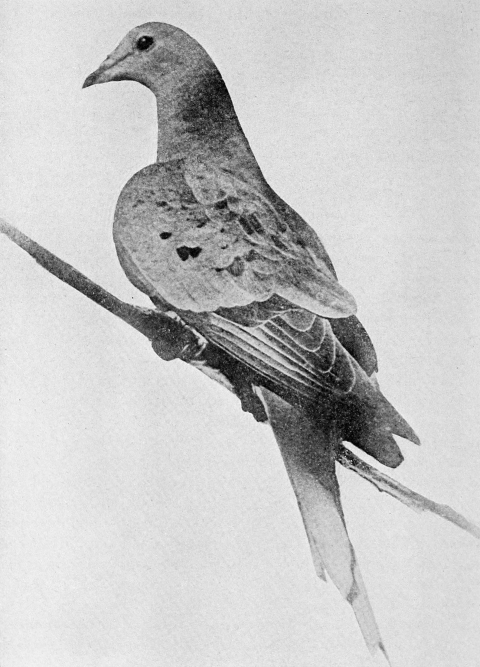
[(202, 233)]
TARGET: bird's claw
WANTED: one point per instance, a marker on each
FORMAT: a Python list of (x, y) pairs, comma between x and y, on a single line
[(197, 343), (188, 346)]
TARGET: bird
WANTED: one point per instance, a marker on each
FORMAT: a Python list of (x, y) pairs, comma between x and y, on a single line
[(207, 239)]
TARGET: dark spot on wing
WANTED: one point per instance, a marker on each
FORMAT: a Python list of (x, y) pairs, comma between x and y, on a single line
[(138, 203), (236, 268), (221, 205), (165, 235), (161, 204), (184, 252), (201, 224)]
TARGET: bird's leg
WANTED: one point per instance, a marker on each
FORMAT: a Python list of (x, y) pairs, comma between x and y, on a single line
[(250, 401), (188, 345), (246, 392)]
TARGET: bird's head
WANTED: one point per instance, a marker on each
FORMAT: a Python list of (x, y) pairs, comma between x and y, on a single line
[(193, 104), (152, 54)]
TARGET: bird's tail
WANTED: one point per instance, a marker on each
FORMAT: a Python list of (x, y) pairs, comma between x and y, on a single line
[(308, 450)]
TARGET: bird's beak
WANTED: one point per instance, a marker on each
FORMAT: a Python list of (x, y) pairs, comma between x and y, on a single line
[(110, 69)]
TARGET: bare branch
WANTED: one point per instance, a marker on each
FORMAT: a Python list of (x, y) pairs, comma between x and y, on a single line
[(170, 338), (402, 493), (151, 323)]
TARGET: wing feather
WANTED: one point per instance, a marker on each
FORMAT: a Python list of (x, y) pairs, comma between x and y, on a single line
[(271, 246), (203, 239), (315, 358)]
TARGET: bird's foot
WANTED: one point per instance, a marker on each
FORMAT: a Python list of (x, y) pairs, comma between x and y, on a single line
[(188, 345)]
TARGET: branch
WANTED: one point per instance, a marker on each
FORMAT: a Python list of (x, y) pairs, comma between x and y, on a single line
[(151, 323), (170, 338), (402, 493)]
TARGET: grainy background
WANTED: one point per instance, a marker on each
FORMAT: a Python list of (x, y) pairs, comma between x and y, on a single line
[(145, 521)]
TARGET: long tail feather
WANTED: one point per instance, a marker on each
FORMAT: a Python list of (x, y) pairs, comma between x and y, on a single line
[(308, 451)]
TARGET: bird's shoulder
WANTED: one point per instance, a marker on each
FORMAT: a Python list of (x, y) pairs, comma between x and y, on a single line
[(159, 187)]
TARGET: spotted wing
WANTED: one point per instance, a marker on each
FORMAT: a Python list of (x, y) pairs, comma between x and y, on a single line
[(202, 239)]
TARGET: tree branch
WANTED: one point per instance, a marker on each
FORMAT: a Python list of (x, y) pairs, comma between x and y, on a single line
[(402, 493), (170, 338), (151, 323)]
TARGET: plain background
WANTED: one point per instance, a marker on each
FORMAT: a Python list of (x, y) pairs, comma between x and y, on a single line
[(145, 520)]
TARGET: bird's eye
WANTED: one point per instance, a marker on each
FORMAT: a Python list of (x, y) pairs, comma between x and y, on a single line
[(144, 43)]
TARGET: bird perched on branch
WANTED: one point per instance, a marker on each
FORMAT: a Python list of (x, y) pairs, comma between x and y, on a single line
[(206, 238)]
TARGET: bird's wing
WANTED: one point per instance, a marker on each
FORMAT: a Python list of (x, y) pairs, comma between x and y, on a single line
[(296, 348), (235, 269), (203, 239), (278, 339)]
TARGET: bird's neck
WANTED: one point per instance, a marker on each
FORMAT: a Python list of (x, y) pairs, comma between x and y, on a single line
[(196, 117)]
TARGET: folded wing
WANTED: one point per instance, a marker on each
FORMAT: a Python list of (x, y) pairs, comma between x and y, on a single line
[(298, 348), (203, 240)]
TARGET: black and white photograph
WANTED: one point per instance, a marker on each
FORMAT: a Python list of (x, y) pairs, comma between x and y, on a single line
[(239, 333)]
